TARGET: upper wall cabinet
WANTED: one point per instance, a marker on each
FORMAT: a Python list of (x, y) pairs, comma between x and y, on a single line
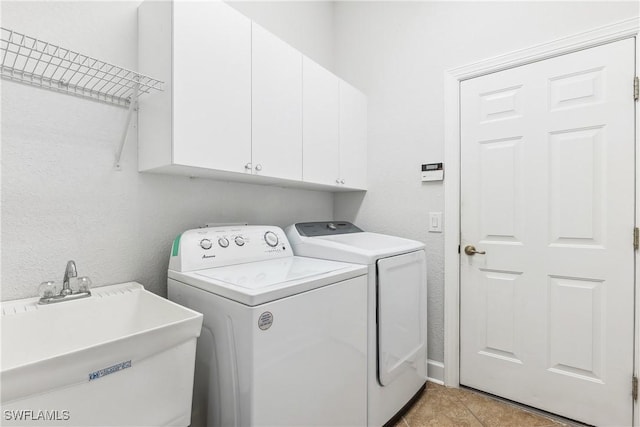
[(276, 117), (334, 130), (243, 105), (321, 125), (211, 104), (353, 137), (203, 51)]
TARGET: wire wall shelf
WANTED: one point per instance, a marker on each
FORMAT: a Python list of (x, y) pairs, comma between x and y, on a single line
[(35, 62)]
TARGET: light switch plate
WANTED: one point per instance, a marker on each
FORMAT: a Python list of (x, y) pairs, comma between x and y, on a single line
[(435, 222)]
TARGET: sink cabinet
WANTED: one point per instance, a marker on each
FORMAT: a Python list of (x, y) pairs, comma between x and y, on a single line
[(105, 360)]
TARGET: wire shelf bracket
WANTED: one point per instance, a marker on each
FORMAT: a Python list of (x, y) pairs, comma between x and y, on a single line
[(35, 62), (125, 131)]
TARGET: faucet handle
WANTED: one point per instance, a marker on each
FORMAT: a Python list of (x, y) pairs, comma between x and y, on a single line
[(48, 289), (84, 283)]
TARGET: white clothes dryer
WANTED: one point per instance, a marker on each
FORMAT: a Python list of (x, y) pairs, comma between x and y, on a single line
[(284, 338), (397, 308)]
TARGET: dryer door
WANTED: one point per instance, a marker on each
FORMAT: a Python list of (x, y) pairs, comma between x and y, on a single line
[(402, 316)]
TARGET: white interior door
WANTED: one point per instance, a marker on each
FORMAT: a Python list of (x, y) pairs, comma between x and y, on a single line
[(547, 191)]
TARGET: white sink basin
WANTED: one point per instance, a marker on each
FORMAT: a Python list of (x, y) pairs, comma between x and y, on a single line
[(122, 357)]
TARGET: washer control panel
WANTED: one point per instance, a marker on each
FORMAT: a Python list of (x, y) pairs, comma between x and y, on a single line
[(219, 246), (271, 238)]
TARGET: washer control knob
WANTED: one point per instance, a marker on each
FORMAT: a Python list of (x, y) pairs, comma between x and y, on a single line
[(223, 242), (271, 238), (239, 240), (205, 244)]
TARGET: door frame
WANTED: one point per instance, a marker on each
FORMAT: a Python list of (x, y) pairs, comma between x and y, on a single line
[(452, 79)]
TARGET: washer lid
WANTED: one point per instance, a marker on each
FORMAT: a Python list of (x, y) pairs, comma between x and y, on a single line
[(259, 282), (361, 248)]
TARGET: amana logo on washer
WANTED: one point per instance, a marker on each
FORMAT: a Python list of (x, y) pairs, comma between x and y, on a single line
[(265, 320)]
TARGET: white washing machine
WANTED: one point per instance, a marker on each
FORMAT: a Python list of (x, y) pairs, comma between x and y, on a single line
[(397, 307), (284, 338)]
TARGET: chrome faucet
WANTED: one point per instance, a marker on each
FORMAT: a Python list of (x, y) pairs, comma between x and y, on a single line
[(48, 290), (69, 272)]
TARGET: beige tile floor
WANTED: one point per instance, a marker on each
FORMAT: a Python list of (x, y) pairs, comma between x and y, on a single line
[(448, 407)]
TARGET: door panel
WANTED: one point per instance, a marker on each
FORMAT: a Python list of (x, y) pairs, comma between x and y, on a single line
[(576, 163), (402, 315), (498, 335), (575, 320), (547, 191), (501, 172)]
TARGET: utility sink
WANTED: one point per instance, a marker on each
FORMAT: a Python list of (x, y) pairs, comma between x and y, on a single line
[(122, 357)]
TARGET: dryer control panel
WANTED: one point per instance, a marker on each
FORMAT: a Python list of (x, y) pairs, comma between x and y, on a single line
[(209, 247), (326, 228)]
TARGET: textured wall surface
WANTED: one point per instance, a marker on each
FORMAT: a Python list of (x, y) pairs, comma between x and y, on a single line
[(397, 52), (305, 25), (61, 197)]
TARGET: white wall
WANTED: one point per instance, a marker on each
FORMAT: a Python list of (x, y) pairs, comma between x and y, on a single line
[(62, 200), (61, 197), (396, 52), (305, 25)]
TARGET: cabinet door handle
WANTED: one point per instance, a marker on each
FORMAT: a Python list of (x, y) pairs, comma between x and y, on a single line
[(337, 181), (342, 181), (247, 166), (258, 167)]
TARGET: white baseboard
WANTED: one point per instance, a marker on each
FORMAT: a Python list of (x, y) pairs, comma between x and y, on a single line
[(435, 372)]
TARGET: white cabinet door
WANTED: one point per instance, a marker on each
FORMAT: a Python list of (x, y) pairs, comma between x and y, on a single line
[(321, 106), (353, 137), (276, 107), (211, 86)]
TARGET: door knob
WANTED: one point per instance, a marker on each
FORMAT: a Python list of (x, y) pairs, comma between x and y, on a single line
[(471, 250)]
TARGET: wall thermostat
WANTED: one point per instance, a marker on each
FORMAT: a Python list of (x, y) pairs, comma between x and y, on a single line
[(432, 172)]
